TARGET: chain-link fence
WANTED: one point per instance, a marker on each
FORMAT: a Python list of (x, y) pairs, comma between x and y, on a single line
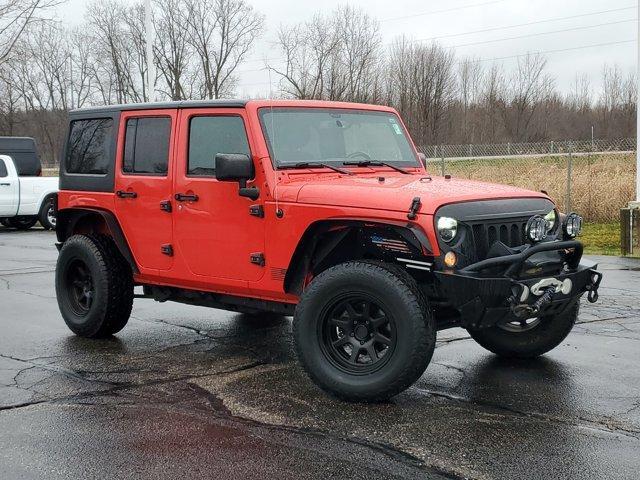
[(595, 178)]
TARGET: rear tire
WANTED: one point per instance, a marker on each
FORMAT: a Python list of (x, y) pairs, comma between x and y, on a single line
[(94, 286), (22, 223), (47, 215), (547, 334), (375, 310)]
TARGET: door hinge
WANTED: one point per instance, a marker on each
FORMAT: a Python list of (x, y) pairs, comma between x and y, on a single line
[(165, 206), (258, 259), (256, 211), (167, 250)]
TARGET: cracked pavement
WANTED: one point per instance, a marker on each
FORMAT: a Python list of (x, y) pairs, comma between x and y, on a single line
[(200, 393)]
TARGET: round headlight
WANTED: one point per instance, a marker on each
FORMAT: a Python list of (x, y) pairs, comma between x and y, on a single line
[(552, 218), (572, 225), (537, 228), (447, 228)]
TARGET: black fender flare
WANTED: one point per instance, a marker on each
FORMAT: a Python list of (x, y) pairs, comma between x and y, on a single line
[(301, 258), (69, 218)]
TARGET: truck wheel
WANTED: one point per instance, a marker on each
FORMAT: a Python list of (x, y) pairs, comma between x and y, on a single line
[(22, 223), (47, 215), (530, 338), (94, 286), (363, 331)]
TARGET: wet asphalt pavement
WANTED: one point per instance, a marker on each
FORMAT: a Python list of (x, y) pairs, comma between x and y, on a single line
[(197, 393)]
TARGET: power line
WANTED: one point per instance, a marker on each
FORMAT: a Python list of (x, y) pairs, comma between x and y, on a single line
[(484, 42), (542, 33), (434, 12), (494, 29), (537, 22), (540, 52)]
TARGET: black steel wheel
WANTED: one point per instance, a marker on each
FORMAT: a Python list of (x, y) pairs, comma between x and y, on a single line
[(80, 289), (357, 334), (94, 286), (363, 331)]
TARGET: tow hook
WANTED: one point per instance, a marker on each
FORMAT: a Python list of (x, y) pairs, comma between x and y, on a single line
[(592, 288), (523, 310)]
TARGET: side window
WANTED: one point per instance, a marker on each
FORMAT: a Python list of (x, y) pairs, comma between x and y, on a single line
[(146, 146), (88, 150), (3, 169), (209, 136)]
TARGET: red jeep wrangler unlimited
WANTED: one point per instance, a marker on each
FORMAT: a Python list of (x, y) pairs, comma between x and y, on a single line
[(319, 210)]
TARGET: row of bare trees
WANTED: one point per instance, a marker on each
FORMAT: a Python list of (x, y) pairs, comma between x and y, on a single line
[(443, 98), (47, 69)]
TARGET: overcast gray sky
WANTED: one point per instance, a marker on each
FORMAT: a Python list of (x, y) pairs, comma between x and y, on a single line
[(455, 20)]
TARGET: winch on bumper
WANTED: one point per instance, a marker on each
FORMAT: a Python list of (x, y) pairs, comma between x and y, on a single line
[(485, 298)]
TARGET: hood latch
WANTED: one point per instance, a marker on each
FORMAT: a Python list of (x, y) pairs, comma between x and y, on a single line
[(413, 210)]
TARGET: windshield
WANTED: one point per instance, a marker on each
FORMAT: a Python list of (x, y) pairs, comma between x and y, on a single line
[(335, 136)]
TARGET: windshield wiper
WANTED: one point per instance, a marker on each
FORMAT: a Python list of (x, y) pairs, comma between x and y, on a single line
[(375, 163), (317, 164)]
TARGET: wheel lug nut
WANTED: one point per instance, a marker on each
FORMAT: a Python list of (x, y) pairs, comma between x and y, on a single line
[(361, 343), (352, 334)]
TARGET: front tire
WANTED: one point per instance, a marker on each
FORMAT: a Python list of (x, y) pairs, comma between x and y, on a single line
[(363, 331), (533, 339), (94, 286)]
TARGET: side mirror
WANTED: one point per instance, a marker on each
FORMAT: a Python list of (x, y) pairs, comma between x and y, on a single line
[(236, 167), (423, 159), (233, 167)]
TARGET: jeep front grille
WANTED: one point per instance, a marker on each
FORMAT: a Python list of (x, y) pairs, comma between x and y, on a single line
[(511, 232)]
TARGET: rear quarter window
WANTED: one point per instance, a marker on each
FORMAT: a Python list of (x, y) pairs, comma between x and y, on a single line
[(89, 146), (3, 169)]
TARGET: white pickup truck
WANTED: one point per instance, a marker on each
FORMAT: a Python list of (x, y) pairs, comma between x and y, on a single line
[(26, 199)]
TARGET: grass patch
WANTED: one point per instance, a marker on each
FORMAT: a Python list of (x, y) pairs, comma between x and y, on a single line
[(601, 238)]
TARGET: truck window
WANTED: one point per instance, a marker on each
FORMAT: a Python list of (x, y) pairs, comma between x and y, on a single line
[(209, 136), (146, 146), (89, 146), (3, 169)]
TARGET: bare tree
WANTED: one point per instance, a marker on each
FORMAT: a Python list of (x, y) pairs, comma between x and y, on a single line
[(16, 17), (172, 49), (222, 33), (335, 56)]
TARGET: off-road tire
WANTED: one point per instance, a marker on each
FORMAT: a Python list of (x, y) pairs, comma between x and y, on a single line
[(544, 337), (112, 282), (22, 223), (43, 217), (400, 296)]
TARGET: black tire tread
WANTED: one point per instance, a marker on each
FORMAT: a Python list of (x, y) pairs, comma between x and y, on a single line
[(493, 339), (415, 301), (116, 278)]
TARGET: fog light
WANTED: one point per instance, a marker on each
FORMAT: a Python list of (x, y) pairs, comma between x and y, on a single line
[(450, 259), (572, 225), (537, 228)]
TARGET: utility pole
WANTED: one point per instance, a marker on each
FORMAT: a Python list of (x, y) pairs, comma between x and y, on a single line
[(151, 70), (638, 117)]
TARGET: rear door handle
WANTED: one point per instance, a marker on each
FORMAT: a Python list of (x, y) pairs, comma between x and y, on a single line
[(181, 197), (123, 194)]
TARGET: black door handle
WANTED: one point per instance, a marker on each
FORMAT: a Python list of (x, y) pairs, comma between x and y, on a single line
[(181, 197), (4, 184), (123, 194)]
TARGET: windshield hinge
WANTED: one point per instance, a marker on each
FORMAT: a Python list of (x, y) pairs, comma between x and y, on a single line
[(258, 259), (413, 210), (256, 211)]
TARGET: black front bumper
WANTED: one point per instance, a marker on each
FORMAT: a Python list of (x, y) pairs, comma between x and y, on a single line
[(485, 299)]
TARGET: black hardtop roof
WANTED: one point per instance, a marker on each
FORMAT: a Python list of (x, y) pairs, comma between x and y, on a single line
[(159, 106), (17, 143)]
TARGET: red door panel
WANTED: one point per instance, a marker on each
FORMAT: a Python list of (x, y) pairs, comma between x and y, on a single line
[(143, 182), (214, 235)]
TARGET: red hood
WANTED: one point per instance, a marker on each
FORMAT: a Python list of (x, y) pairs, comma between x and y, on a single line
[(397, 191)]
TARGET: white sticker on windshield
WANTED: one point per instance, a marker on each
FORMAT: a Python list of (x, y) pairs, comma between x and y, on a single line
[(396, 128)]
